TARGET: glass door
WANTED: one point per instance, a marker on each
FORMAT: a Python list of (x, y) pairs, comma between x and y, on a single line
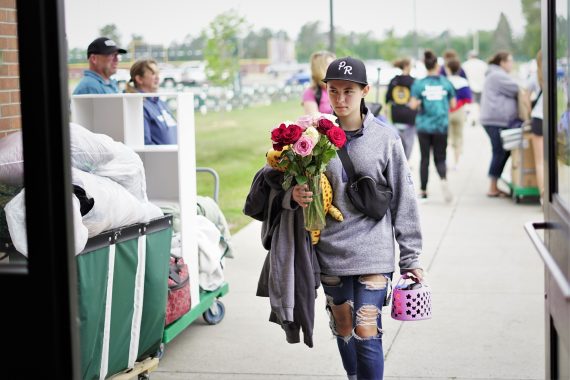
[(554, 245)]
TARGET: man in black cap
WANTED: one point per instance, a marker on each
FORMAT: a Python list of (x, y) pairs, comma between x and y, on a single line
[(103, 55)]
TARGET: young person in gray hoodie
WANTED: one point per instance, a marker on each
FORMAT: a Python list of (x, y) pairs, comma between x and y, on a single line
[(357, 256), (498, 110)]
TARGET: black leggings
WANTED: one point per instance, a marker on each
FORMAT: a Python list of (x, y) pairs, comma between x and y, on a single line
[(439, 144)]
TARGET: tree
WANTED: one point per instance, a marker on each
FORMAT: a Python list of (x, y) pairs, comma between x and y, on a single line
[(343, 44), (390, 47), (198, 45), (111, 31), (76, 55), (503, 36), (190, 49), (310, 39), (255, 44), (531, 39), (222, 47), (361, 45), (486, 44), (562, 38)]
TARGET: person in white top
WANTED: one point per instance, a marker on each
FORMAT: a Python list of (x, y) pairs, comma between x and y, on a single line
[(536, 136), (475, 70)]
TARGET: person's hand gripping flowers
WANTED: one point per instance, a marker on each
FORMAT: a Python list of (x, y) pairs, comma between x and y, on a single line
[(302, 195)]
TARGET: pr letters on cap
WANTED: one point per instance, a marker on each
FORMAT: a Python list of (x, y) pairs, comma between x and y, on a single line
[(347, 69)]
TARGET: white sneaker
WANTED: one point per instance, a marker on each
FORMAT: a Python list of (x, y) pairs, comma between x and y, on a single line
[(447, 195)]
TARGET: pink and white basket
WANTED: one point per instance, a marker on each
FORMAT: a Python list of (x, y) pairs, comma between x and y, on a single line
[(411, 304)]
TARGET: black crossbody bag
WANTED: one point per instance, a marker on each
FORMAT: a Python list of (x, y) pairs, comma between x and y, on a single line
[(367, 196)]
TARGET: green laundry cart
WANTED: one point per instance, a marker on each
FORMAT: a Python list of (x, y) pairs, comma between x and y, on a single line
[(122, 291), (122, 284)]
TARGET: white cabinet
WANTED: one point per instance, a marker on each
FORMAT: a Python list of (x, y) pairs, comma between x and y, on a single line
[(170, 169)]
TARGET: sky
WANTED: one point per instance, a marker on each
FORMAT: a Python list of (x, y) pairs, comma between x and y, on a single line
[(164, 21)]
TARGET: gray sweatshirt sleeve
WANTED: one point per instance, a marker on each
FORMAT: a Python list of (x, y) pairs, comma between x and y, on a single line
[(506, 85), (404, 209)]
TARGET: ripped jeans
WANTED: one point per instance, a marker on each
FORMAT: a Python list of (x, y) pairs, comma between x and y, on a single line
[(354, 304)]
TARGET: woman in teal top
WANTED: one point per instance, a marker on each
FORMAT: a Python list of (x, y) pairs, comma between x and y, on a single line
[(433, 96)]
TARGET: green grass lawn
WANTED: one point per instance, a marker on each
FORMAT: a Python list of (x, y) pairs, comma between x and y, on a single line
[(234, 144)]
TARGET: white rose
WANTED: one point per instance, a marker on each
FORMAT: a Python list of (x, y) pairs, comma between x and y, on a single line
[(313, 134), (329, 117)]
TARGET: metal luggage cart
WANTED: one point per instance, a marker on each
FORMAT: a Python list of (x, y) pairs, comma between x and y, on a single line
[(520, 183), (209, 307), (518, 191)]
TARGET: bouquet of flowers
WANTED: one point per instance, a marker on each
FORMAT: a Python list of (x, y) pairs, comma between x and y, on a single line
[(307, 146)]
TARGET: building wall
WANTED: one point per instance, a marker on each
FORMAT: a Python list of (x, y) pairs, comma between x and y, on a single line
[(10, 119)]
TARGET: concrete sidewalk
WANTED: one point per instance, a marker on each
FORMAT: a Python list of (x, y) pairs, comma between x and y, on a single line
[(487, 283)]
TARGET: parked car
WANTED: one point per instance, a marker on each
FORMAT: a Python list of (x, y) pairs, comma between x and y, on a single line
[(193, 73), (122, 76), (282, 69), (170, 75), (301, 77)]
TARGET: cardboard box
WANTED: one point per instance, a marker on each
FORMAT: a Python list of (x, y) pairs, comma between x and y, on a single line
[(523, 172)]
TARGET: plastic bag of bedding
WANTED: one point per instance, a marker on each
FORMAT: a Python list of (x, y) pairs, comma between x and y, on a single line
[(114, 206), (99, 154), (11, 160), (16, 219), (89, 150)]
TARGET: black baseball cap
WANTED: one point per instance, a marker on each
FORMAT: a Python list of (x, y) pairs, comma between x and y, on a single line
[(104, 45), (347, 68)]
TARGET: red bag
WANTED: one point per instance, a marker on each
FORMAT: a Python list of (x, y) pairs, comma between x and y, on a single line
[(178, 290)]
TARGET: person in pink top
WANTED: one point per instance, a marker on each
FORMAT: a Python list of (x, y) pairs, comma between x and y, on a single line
[(315, 97)]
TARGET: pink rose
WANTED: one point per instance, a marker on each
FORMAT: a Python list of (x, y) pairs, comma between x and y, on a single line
[(305, 122), (337, 136), (304, 146)]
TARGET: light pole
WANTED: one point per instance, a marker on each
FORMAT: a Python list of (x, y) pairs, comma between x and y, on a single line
[(378, 86), (331, 31), (415, 32)]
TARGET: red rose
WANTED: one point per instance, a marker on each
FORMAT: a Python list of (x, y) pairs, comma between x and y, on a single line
[(323, 125), (278, 147), (291, 134), (336, 136), (277, 133)]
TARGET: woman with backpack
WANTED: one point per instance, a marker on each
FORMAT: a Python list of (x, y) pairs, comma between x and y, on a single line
[(397, 97), (315, 97), (433, 96)]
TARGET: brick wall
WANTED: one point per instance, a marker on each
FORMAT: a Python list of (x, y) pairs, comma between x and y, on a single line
[(10, 119)]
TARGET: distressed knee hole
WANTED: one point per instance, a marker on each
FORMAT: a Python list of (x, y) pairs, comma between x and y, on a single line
[(340, 318), (367, 321), (330, 280), (374, 281)]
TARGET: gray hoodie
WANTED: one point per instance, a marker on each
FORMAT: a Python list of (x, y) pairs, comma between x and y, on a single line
[(499, 98), (290, 275), (359, 244)]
